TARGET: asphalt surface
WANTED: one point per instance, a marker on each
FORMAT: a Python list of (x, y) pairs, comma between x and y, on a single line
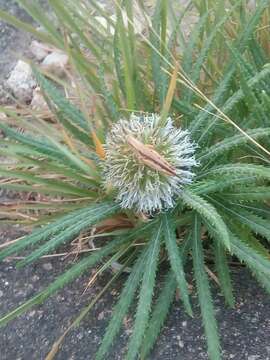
[(244, 331)]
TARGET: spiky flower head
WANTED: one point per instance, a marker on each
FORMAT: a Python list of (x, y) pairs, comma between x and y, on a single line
[(147, 162)]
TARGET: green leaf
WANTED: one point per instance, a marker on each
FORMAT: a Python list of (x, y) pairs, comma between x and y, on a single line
[(223, 273), (249, 193), (220, 184), (238, 170), (128, 63), (256, 223), (231, 143), (34, 9), (41, 147), (204, 295), (74, 115), (176, 262), (159, 314), (96, 214), (219, 94), (146, 294), (66, 18), (58, 185), (207, 211), (51, 230), (123, 304), (42, 36), (248, 255), (163, 304), (159, 77)]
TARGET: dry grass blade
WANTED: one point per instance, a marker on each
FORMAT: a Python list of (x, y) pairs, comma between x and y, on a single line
[(170, 95)]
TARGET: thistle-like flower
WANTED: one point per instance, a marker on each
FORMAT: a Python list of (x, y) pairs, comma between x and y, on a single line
[(148, 163)]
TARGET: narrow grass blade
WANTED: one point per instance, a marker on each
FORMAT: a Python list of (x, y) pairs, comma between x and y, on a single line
[(12, 20)]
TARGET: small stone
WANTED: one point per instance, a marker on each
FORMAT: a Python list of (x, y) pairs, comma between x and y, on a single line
[(80, 336), (47, 266), (55, 63), (35, 278), (38, 102), (101, 316), (251, 5), (181, 344), (184, 323), (3, 116), (253, 357), (4, 96), (39, 50), (21, 82), (32, 313), (1, 293)]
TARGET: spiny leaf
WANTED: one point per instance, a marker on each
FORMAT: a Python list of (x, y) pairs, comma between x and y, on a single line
[(207, 211), (122, 305), (256, 223), (237, 170), (146, 294), (71, 112), (220, 184), (159, 314), (176, 260), (204, 295), (163, 303), (50, 230), (252, 258), (249, 193), (223, 273), (97, 213), (231, 143)]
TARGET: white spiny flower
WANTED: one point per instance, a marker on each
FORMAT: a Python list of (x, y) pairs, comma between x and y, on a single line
[(148, 163)]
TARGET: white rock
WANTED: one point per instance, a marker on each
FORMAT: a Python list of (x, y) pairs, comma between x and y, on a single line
[(3, 116), (251, 5), (55, 63), (21, 82), (38, 102), (47, 266), (105, 24), (39, 50)]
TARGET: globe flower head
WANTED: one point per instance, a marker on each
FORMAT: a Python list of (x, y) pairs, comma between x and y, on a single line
[(147, 162)]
